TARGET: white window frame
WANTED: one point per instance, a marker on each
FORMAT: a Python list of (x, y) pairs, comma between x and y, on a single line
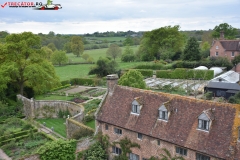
[(163, 115), (181, 151), (118, 131), (203, 124), (136, 109), (202, 157), (116, 150), (233, 54), (139, 136), (133, 156), (216, 53), (217, 47)]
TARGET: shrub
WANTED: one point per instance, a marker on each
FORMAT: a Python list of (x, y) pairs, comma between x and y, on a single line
[(65, 82), (208, 95), (84, 81), (58, 149), (83, 132), (146, 72), (163, 74), (150, 66), (61, 87)]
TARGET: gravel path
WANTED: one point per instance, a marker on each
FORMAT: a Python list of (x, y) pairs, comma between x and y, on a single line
[(3, 156)]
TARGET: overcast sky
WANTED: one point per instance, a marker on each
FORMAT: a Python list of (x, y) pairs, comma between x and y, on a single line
[(88, 16)]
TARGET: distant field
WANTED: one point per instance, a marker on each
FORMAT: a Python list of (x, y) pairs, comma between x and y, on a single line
[(106, 38), (95, 54), (81, 70)]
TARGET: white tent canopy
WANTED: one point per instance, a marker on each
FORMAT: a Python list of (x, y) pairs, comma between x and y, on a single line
[(216, 70), (201, 68)]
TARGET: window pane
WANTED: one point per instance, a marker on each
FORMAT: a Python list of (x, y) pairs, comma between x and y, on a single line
[(199, 123), (161, 114), (166, 115)]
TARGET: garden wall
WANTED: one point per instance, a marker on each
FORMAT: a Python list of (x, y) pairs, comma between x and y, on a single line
[(73, 126), (49, 108)]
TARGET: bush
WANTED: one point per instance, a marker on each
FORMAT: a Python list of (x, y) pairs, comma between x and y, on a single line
[(65, 82), (208, 95), (58, 149), (88, 119), (84, 81), (163, 74), (145, 72), (83, 132), (150, 66)]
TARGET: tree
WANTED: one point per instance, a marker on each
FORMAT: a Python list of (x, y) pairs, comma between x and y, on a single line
[(128, 55), (47, 52), (21, 63), (114, 51), (192, 50), (132, 78), (104, 67), (59, 57), (236, 60), (77, 45), (52, 46), (67, 47), (162, 39), (229, 31), (128, 41), (205, 49), (125, 145), (85, 56)]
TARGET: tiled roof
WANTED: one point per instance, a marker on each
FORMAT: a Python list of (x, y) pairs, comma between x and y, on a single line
[(181, 128), (231, 45)]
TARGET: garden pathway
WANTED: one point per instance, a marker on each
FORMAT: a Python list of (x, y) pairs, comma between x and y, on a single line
[(3, 156)]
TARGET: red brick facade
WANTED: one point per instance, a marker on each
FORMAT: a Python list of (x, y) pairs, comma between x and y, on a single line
[(225, 48)]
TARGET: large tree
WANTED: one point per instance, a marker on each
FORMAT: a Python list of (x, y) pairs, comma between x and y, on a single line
[(128, 55), (104, 67), (132, 78), (192, 50), (22, 63), (114, 51), (157, 41), (47, 53), (59, 57), (52, 46), (77, 45), (229, 31)]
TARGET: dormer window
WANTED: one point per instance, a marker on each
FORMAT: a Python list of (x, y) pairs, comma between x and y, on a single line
[(136, 106), (163, 113), (205, 120)]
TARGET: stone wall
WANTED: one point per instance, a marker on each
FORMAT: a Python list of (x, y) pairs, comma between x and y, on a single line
[(50, 108), (73, 126)]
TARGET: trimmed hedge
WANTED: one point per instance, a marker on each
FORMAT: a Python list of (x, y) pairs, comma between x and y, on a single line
[(61, 87), (182, 73), (85, 81), (15, 136), (146, 72), (65, 82)]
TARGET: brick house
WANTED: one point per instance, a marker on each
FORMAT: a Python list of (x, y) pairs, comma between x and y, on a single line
[(225, 48), (192, 128)]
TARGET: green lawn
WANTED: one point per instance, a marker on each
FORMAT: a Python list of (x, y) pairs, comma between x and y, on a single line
[(95, 54), (56, 123), (91, 124), (106, 38), (53, 97)]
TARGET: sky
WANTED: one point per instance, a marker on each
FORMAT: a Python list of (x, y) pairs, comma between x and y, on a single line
[(89, 16)]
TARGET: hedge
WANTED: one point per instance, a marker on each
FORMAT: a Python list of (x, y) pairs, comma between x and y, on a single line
[(182, 73), (146, 72), (65, 82), (13, 139), (85, 81), (61, 87)]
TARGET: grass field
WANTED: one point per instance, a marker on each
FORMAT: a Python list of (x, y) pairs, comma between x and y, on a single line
[(106, 38), (81, 70), (91, 124), (53, 97), (95, 54), (56, 123)]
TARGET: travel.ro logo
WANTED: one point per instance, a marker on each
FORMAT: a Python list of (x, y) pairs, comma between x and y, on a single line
[(35, 5)]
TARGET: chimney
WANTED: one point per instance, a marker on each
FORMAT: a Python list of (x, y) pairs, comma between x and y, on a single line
[(112, 80), (221, 35)]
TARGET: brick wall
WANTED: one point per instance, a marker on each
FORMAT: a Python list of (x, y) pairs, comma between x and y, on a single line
[(149, 145), (221, 51)]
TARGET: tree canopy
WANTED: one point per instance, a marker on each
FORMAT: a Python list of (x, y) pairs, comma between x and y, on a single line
[(22, 63), (128, 55), (114, 51), (104, 67), (229, 31), (59, 57), (77, 45), (132, 78), (157, 41), (192, 50)]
